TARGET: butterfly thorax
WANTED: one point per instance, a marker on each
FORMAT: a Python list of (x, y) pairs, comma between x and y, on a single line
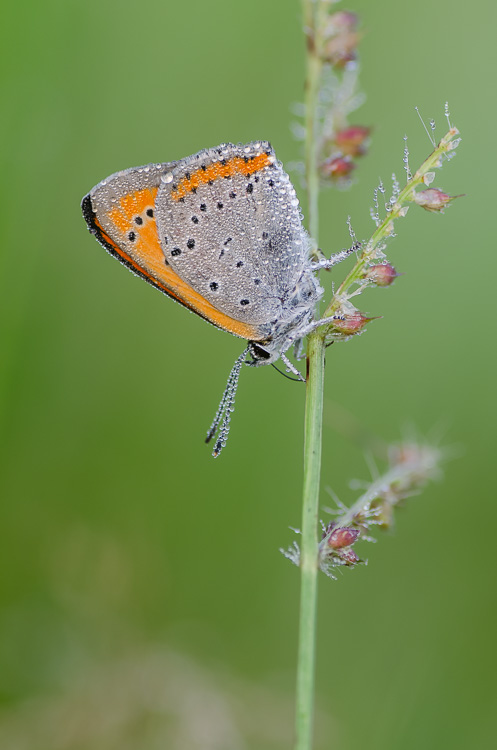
[(297, 313)]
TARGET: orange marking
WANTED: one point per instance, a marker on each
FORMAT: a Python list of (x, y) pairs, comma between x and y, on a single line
[(234, 166), (148, 259), (130, 206)]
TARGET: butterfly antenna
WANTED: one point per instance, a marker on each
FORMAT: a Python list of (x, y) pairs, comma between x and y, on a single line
[(225, 408), (295, 380)]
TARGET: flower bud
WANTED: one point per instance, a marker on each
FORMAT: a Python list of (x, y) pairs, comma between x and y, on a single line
[(349, 557), (342, 20), (341, 38), (351, 140), (342, 537), (350, 323), (337, 167), (382, 274), (433, 199)]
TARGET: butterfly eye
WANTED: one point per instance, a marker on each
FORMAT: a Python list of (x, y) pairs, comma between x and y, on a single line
[(258, 352)]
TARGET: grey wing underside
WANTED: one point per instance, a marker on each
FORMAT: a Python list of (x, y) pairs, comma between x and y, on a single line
[(110, 191), (239, 241)]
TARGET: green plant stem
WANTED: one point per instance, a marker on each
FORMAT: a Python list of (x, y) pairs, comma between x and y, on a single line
[(313, 22), (313, 13), (309, 543), (312, 178)]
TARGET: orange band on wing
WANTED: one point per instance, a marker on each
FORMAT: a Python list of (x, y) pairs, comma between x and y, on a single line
[(148, 261), (231, 167)]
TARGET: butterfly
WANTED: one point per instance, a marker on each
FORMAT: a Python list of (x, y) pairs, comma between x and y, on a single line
[(221, 233)]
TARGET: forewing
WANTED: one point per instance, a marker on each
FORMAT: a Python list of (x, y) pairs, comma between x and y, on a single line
[(121, 212)]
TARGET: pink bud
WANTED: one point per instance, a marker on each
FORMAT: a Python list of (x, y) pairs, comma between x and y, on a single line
[(343, 20), (433, 199), (381, 275), (350, 323), (349, 556), (341, 39), (350, 140), (337, 167), (343, 537)]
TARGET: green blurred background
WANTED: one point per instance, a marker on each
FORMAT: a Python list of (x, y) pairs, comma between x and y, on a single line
[(144, 603)]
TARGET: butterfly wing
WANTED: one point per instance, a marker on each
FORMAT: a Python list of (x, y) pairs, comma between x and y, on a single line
[(230, 225), (121, 212)]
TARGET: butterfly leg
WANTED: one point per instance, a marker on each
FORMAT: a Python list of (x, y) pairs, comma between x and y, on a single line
[(309, 328), (290, 366), (298, 349), (327, 263)]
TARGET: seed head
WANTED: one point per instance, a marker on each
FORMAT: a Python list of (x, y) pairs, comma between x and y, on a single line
[(342, 20), (341, 38), (342, 537), (337, 167), (352, 141), (433, 199), (350, 323), (382, 274), (349, 557)]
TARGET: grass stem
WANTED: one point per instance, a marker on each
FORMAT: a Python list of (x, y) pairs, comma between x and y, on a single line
[(312, 13)]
